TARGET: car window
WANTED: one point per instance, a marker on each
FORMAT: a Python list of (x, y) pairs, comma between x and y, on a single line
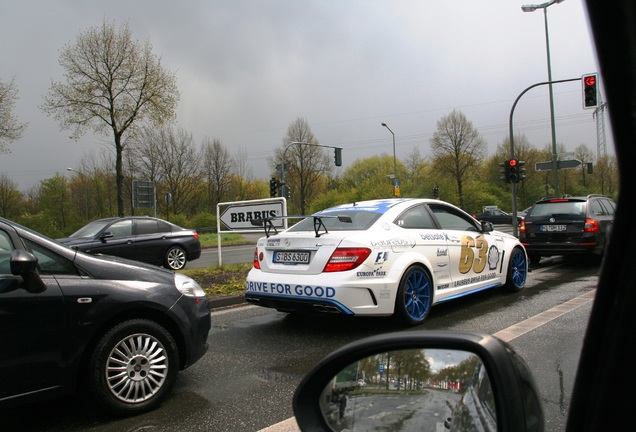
[(560, 207), (596, 208), (360, 220), (49, 263), (163, 227), (416, 217), (146, 226), (6, 247), (608, 206), (121, 228), (451, 219)]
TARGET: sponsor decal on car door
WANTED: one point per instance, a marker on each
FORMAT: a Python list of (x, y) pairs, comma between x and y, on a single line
[(474, 260)]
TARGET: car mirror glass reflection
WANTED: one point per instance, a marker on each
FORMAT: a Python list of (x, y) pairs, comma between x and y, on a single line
[(411, 390)]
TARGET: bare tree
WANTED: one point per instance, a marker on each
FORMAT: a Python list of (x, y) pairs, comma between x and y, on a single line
[(10, 128), (457, 147), (585, 155), (244, 176), (179, 167), (217, 169), (306, 164), (111, 83)]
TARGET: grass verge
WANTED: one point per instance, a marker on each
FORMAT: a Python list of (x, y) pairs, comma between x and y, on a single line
[(227, 280)]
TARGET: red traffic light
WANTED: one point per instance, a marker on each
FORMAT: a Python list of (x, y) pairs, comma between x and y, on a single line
[(512, 162), (590, 80)]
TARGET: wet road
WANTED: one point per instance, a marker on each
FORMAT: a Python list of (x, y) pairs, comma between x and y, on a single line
[(257, 357)]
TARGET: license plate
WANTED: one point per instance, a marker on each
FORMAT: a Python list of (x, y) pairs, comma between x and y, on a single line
[(552, 228), (291, 257)]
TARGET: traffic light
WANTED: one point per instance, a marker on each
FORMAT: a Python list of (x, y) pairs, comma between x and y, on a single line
[(338, 156), (513, 173), (273, 187), (521, 171), (436, 192), (503, 170), (590, 91)]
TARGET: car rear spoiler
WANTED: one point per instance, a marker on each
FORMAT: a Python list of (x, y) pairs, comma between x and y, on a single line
[(268, 224)]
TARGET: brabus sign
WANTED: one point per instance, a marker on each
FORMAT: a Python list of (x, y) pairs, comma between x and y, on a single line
[(237, 217)]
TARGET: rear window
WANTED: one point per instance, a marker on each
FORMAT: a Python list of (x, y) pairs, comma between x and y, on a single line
[(360, 221), (549, 208)]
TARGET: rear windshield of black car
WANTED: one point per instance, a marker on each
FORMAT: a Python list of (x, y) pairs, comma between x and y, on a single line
[(549, 208), (360, 221)]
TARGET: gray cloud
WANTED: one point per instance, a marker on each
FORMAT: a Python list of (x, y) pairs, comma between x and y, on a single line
[(247, 69)]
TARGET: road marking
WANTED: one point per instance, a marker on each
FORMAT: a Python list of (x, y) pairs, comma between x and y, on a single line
[(543, 318)]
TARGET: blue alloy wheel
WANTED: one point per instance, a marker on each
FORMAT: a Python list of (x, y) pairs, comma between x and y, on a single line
[(517, 270), (414, 296)]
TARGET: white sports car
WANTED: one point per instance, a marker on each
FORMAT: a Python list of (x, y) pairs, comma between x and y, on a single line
[(382, 257)]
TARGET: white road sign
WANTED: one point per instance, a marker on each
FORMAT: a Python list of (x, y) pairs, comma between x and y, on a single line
[(238, 216)]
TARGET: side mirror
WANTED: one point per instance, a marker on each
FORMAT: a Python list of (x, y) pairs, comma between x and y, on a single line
[(420, 381), (105, 236), (25, 264), (487, 226)]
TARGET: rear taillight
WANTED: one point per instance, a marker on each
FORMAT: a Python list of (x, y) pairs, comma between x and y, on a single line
[(591, 225), (344, 259), (257, 264), (196, 235), (522, 227)]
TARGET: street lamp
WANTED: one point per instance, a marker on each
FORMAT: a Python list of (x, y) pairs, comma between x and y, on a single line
[(555, 163), (84, 180), (394, 160)]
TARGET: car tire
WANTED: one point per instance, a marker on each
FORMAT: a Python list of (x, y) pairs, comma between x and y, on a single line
[(133, 367), (534, 258), (517, 270), (176, 258), (414, 296)]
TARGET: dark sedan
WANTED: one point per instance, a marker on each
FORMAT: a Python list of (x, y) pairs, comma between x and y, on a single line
[(496, 216), (141, 238), (119, 330)]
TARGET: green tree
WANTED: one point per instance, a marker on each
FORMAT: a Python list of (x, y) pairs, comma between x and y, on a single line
[(11, 199), (54, 205), (112, 82)]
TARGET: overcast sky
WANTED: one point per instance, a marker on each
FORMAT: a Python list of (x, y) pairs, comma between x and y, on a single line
[(247, 69)]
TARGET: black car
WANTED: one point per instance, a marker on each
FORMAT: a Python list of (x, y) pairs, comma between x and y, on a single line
[(567, 225), (495, 216), (142, 238), (118, 329)]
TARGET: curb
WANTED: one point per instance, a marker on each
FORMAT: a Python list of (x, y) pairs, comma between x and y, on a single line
[(226, 301)]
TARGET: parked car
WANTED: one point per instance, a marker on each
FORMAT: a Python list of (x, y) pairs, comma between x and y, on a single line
[(603, 380), (522, 213), (495, 216), (567, 226), (141, 238), (380, 258), (116, 329)]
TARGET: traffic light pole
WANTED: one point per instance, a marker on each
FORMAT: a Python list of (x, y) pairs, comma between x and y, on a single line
[(515, 223), (337, 155)]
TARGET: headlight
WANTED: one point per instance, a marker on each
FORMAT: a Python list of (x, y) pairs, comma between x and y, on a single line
[(188, 286)]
